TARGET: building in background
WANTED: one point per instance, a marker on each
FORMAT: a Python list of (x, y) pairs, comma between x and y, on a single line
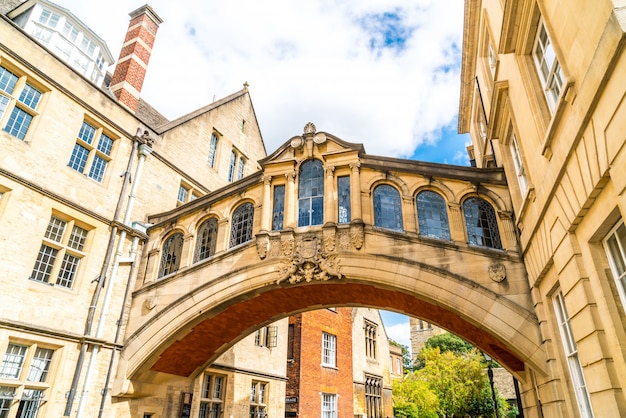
[(81, 167), (337, 364), (396, 366), (421, 331), (543, 97)]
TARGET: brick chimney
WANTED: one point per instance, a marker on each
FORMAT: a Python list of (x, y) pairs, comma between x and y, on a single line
[(131, 66)]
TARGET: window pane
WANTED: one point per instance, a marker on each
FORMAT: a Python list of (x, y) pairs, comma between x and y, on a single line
[(40, 365), (207, 237), (7, 80), (241, 230), (231, 169), (387, 208), (4, 103), (68, 270), (18, 123), (44, 263), (279, 208), (77, 238), (105, 144), (481, 223), (311, 194), (30, 96), (29, 404), (13, 361), (432, 215), (242, 166), (87, 132), (55, 229), (182, 194), (98, 167), (170, 257), (212, 150), (79, 158), (343, 195)]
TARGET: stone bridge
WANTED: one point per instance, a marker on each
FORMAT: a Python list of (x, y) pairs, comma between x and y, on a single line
[(324, 224)]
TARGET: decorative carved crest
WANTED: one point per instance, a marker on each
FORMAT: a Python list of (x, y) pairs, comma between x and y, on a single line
[(497, 272), (309, 263)]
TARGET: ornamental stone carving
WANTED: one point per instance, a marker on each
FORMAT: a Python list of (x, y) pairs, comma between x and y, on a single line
[(497, 272), (262, 246), (309, 262)]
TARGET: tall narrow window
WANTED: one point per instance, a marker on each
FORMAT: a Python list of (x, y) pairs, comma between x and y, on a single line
[(7, 394), (60, 252), (241, 168), (13, 361), (615, 246), (343, 197), (573, 362), (329, 350), (278, 211), (548, 66), (481, 223), (212, 396), (87, 153), (432, 215), (231, 166), (22, 101), (311, 194), (206, 241), (370, 339), (258, 400), (329, 405), (519, 165), (373, 396), (387, 208), (170, 256), (212, 150), (241, 228)]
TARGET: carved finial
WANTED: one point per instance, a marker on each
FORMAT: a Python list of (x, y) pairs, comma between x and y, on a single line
[(245, 86), (145, 138), (309, 128)]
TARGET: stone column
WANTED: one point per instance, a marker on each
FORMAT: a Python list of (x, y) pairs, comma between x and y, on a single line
[(408, 214), (223, 235), (330, 200), (266, 214), (507, 234), (291, 201), (355, 191), (457, 224)]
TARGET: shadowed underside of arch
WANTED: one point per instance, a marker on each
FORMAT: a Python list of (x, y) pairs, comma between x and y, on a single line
[(194, 328)]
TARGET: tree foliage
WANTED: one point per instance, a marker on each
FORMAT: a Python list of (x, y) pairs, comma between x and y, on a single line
[(412, 398), (449, 342)]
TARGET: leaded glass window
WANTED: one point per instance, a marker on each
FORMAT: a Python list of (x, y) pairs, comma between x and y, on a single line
[(311, 194), (432, 215), (207, 237), (278, 213), (170, 256), (231, 166), (343, 197), (387, 208), (212, 150), (481, 223), (241, 229)]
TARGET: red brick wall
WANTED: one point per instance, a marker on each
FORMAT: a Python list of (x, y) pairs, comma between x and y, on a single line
[(315, 379)]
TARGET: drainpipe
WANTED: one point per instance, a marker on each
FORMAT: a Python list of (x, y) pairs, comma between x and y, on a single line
[(101, 280), (144, 151), (118, 330)]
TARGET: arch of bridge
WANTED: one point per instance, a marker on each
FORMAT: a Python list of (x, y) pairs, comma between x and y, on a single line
[(200, 315)]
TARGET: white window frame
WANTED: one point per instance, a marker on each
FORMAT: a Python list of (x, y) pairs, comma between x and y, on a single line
[(329, 350), (13, 102), (518, 163), (329, 405), (99, 146), (571, 352), (615, 247), (547, 66)]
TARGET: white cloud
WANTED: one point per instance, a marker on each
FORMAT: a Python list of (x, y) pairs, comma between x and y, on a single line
[(400, 333), (305, 61)]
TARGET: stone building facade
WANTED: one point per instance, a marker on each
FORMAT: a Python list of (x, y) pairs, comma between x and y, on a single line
[(543, 96)]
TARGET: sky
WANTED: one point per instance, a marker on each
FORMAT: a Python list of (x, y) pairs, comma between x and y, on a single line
[(384, 73)]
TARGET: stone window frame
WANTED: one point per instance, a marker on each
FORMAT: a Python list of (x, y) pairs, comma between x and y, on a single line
[(21, 98), (171, 254), (242, 223), (206, 239), (278, 207), (424, 231), (212, 395), (373, 396), (386, 216), (344, 214), (488, 223), (308, 202), (370, 333), (93, 151), (64, 246), (570, 350), (615, 247), (259, 394), (213, 148)]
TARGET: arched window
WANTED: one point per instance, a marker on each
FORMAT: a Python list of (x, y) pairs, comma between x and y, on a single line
[(387, 208), (432, 215), (205, 243), (241, 229), (170, 256), (311, 194), (481, 223)]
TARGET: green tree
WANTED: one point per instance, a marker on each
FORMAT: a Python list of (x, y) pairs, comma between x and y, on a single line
[(407, 362), (412, 398), (449, 342), (457, 380)]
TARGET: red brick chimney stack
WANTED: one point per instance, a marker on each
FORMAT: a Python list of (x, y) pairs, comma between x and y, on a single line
[(131, 66)]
